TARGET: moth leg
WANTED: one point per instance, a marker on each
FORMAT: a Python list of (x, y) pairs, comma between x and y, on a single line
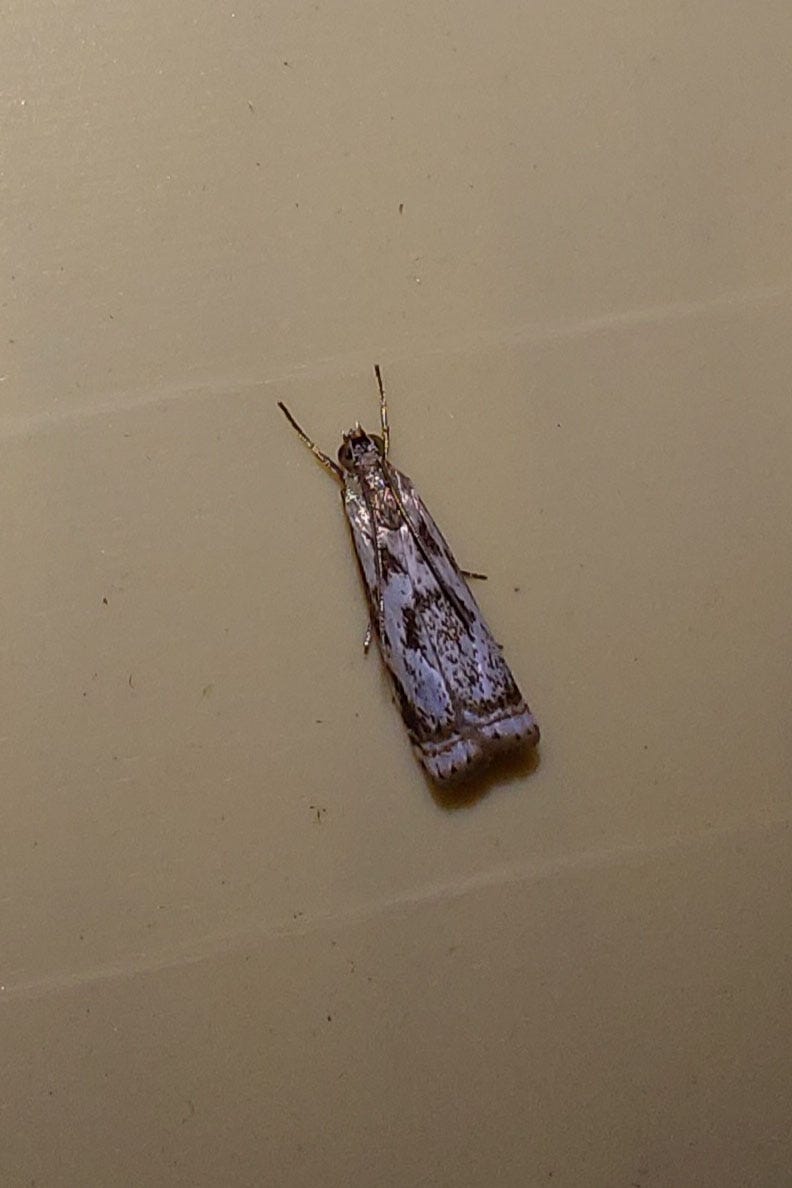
[(383, 410), (326, 461), (466, 573), (367, 639)]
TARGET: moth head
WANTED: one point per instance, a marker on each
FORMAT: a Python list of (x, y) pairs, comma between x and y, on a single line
[(359, 447)]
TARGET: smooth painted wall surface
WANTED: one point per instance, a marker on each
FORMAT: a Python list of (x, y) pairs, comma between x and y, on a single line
[(241, 940)]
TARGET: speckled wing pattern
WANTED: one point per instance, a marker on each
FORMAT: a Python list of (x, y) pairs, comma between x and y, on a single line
[(457, 696)]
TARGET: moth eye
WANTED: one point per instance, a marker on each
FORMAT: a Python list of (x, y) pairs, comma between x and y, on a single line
[(345, 455), (379, 444)]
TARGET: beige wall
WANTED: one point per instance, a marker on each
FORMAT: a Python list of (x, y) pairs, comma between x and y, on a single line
[(240, 940)]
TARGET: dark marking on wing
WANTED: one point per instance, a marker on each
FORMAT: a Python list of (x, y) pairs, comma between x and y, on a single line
[(426, 538), (419, 726), (412, 634), (389, 563)]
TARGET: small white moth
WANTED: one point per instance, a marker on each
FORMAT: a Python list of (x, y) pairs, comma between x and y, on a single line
[(459, 701)]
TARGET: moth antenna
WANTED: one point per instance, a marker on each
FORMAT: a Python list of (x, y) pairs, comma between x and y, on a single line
[(326, 461), (383, 410)]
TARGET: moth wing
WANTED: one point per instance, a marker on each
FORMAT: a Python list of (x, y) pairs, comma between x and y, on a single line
[(407, 613), (488, 709), (436, 550)]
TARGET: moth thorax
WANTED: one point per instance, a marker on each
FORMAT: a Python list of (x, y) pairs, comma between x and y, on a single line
[(359, 449)]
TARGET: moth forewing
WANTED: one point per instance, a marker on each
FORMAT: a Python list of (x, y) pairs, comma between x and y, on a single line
[(457, 696)]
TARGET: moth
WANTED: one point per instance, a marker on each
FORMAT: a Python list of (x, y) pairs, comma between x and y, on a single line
[(459, 701)]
